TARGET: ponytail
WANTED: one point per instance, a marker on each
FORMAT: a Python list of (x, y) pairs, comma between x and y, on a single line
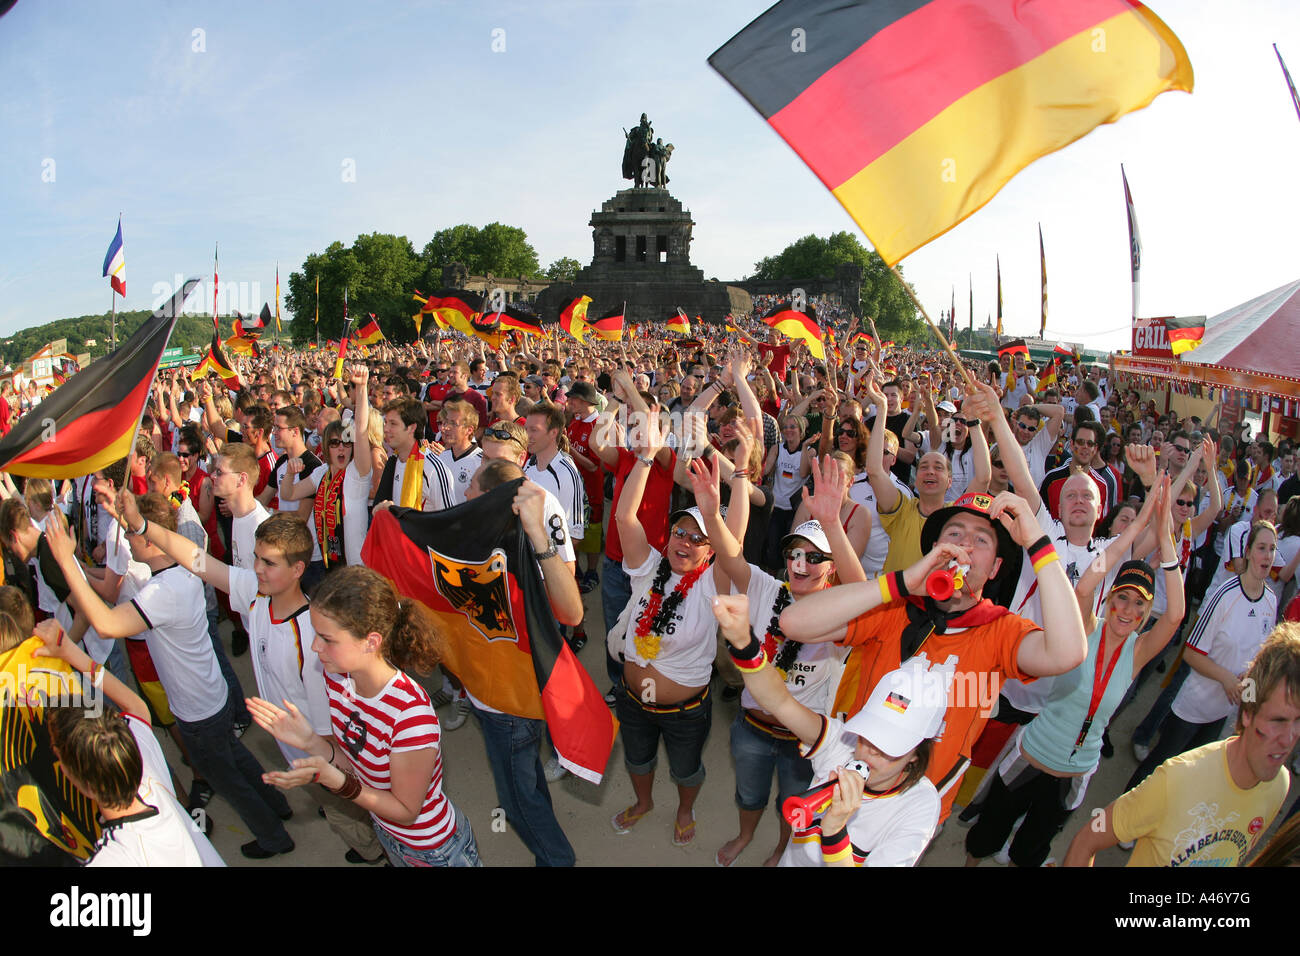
[(363, 601)]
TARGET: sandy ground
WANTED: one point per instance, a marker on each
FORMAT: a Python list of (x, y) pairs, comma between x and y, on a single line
[(584, 810)]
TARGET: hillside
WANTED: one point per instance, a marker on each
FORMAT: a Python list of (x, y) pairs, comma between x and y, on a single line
[(192, 331)]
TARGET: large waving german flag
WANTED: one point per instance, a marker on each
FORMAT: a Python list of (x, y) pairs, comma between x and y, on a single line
[(798, 325), (1185, 332), (474, 569), (369, 333), (454, 309), (1014, 347), (679, 322), (519, 321), (573, 317), (216, 361), (609, 326), (914, 113), (90, 421)]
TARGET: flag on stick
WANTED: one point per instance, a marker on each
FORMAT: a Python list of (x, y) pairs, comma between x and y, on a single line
[(1047, 378), (474, 569), (1295, 97), (215, 361), (573, 317), (1042, 261), (115, 263), (1184, 332), (91, 420), (215, 248), (998, 331), (679, 322), (1134, 240), (914, 114), (797, 325), (277, 297), (343, 342), (318, 303), (519, 321), (1014, 347), (369, 333), (609, 326)]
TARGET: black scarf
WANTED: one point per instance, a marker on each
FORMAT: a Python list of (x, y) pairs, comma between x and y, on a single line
[(925, 617)]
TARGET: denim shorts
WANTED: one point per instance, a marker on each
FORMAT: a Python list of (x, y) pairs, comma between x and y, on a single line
[(756, 755), (684, 730), (459, 849)]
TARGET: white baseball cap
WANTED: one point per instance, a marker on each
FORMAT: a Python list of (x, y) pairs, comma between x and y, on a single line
[(811, 531), (906, 707)]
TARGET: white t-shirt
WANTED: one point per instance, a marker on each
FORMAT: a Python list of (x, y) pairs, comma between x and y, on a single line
[(1230, 629), (815, 673), (1231, 546), (171, 604), (688, 644), (454, 474), (889, 830), (284, 664), (562, 478), (165, 835), (243, 537), (1036, 452)]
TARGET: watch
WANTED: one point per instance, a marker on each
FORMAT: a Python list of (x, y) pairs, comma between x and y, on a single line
[(550, 552)]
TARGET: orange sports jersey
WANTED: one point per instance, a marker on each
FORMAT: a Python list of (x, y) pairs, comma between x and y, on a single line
[(981, 658)]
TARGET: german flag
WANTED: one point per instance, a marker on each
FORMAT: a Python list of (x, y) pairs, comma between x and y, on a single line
[(609, 326), (1185, 333), (1048, 378), (835, 349), (914, 113), (633, 330), (798, 325), (688, 345), (519, 321), (242, 344), (90, 422), (1014, 347), (454, 309), (573, 317), (474, 569), (487, 328), (216, 361), (343, 342), (263, 320), (369, 333), (861, 338), (679, 322)]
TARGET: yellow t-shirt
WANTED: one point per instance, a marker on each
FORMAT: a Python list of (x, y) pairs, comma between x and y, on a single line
[(903, 525), (1189, 812)]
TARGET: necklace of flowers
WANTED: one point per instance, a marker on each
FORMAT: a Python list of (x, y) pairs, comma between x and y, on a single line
[(789, 649), (658, 611)]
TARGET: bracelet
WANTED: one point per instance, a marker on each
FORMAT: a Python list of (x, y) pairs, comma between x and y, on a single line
[(648, 462), (550, 552), (892, 587), (333, 752), (143, 527), (1042, 553), (1173, 565), (750, 658), (350, 789), (836, 847)]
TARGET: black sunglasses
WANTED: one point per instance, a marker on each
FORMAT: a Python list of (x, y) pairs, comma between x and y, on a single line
[(500, 434), (812, 557), (334, 443)]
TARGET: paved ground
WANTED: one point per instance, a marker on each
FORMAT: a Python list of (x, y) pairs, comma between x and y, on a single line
[(584, 810)]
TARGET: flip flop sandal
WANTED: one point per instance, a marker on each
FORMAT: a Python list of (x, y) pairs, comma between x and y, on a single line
[(684, 836), (629, 820)]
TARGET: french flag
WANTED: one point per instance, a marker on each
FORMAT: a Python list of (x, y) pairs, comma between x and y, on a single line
[(115, 262)]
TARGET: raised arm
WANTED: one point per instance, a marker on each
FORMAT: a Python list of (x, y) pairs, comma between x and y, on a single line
[(178, 547), (829, 484), (362, 460), (887, 495), (729, 564), (109, 622), (646, 442), (985, 403), (1085, 589)]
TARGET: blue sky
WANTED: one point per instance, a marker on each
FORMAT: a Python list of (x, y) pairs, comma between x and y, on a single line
[(242, 134)]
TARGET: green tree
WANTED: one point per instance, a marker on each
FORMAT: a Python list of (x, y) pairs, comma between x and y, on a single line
[(496, 249), (563, 270), (883, 298), (377, 272)]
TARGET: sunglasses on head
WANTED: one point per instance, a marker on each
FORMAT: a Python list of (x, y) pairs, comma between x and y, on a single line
[(500, 434), (694, 537), (812, 557)]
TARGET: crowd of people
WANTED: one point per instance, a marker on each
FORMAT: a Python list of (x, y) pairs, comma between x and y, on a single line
[(919, 588)]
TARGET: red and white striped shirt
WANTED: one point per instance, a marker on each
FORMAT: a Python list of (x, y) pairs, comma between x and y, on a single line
[(399, 718)]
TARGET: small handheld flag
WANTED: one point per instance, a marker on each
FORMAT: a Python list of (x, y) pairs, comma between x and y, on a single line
[(798, 325), (115, 263), (609, 326), (679, 323), (573, 317)]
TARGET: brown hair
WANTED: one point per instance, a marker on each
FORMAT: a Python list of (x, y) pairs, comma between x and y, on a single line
[(14, 517), (293, 417), (554, 416), (241, 458), (919, 765), (410, 410), (362, 601), (157, 508), (1278, 662), (467, 412), (167, 464), (495, 472), (11, 633), (39, 491), (14, 603), (289, 534), (99, 753)]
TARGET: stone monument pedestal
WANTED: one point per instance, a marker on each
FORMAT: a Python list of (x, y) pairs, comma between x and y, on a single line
[(642, 240)]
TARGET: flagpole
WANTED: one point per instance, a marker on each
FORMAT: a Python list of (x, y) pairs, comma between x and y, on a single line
[(112, 294), (970, 382)]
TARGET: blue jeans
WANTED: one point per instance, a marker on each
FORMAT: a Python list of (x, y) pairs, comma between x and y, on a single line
[(756, 755), (615, 592), (514, 753), (234, 773), (235, 694), (685, 730), (459, 849)]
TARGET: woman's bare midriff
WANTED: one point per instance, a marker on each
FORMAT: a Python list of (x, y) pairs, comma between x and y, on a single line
[(652, 687)]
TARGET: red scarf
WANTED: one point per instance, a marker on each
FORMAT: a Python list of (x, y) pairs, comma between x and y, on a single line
[(328, 515)]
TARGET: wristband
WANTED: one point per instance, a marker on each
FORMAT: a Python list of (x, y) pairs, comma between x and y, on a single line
[(749, 659), (1042, 553), (836, 847), (143, 527), (350, 789), (892, 587), (1171, 566)]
